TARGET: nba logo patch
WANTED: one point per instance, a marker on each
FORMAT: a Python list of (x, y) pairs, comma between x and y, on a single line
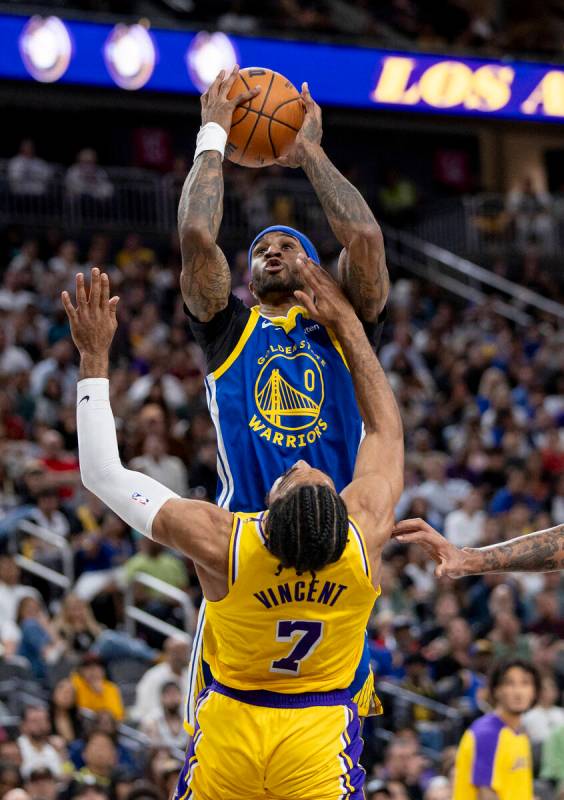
[(140, 498)]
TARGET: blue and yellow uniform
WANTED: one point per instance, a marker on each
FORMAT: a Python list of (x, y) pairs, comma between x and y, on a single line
[(278, 389), (283, 647), (493, 755)]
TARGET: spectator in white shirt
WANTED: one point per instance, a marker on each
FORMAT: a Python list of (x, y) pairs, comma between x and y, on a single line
[(155, 462), (11, 590), (47, 513), (165, 726), (65, 263), (34, 743), (86, 179), (547, 716), (442, 493), (28, 174), (12, 359), (173, 668), (465, 526)]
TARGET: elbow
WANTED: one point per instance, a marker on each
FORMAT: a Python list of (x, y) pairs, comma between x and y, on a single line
[(367, 235), (196, 236)]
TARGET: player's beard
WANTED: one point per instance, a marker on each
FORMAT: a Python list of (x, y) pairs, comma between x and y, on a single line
[(279, 283)]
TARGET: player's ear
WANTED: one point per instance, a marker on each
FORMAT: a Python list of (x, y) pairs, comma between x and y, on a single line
[(252, 290)]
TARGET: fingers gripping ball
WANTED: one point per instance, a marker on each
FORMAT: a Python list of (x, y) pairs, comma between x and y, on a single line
[(263, 128)]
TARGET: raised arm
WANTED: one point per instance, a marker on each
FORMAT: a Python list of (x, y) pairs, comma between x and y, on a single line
[(205, 279), (199, 530), (542, 551), (363, 274), (380, 457)]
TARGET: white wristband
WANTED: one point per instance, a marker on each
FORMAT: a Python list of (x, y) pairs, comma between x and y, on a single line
[(211, 137)]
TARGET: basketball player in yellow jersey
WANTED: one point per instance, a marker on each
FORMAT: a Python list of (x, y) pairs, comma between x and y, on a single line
[(290, 589)]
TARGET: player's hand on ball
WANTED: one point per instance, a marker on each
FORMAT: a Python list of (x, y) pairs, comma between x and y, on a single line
[(93, 322), (309, 134), (325, 302), (216, 107)]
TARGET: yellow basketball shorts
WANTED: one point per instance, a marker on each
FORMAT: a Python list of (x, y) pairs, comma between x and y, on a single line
[(260, 745)]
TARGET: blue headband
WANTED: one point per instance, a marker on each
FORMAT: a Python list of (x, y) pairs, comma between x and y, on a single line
[(306, 243)]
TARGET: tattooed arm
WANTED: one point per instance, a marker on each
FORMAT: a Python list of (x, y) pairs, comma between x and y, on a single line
[(205, 280), (362, 264), (542, 551)]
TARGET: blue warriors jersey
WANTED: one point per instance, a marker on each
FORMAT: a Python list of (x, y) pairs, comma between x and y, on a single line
[(278, 390)]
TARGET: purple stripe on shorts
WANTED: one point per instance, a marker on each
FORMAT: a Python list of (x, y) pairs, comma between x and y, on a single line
[(353, 750), (278, 700)]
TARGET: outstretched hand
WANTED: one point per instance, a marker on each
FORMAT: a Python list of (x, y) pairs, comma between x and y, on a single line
[(328, 305), (449, 559), (93, 322), (309, 134)]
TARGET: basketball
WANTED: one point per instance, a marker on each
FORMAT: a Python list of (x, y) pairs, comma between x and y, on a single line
[(264, 128)]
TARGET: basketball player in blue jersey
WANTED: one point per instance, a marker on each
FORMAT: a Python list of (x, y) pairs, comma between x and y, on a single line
[(289, 589), (278, 387)]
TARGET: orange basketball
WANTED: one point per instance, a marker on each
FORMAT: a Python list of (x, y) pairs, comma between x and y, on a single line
[(264, 128)]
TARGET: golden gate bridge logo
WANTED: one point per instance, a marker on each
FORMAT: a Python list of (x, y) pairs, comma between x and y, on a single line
[(292, 401)]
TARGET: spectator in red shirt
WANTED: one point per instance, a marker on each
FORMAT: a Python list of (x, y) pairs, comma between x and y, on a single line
[(64, 468)]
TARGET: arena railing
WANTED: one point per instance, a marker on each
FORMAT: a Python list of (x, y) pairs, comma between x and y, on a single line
[(485, 226), (466, 279), (65, 579), (135, 615), (146, 202), (399, 704)]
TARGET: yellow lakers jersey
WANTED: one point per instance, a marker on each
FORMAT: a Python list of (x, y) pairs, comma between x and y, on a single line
[(289, 633), (491, 754)]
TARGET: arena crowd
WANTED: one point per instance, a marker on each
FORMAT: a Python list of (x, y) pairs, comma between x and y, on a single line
[(92, 711)]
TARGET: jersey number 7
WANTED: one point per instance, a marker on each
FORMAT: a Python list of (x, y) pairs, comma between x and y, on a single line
[(310, 634)]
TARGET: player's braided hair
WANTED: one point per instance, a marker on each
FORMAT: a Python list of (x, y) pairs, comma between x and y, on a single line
[(307, 528)]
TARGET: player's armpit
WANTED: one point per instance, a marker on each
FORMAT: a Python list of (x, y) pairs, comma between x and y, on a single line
[(197, 529), (363, 273)]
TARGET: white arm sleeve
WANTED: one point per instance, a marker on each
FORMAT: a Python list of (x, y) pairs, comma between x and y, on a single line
[(134, 497)]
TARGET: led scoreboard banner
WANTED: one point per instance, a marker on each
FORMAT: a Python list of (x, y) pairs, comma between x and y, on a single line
[(136, 57)]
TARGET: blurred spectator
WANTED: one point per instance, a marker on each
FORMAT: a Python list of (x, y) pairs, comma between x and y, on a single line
[(100, 760), (47, 514), (34, 745), (552, 766), (397, 199), (65, 264), (86, 179), (174, 669), (548, 715), (60, 363), (134, 252), (13, 359), (39, 644), (28, 174), (62, 466), (66, 721), (464, 527), (530, 208), (153, 559), (93, 690), (10, 778), (12, 591), (158, 464), (548, 619), (166, 725), (76, 625), (41, 784)]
